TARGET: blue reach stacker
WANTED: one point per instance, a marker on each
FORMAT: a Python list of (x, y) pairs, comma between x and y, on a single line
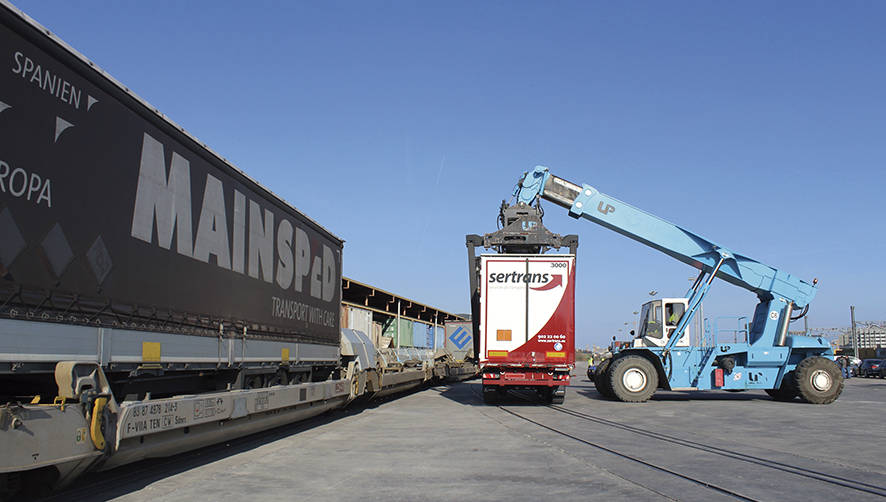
[(763, 355)]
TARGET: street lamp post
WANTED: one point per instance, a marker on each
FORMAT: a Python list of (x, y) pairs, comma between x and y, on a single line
[(854, 333)]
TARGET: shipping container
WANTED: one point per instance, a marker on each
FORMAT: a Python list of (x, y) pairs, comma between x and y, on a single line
[(401, 337), (377, 333), (344, 316), (459, 339), (360, 320), (111, 212), (423, 335), (439, 336)]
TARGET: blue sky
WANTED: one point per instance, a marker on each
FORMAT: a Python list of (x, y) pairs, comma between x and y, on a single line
[(401, 126)]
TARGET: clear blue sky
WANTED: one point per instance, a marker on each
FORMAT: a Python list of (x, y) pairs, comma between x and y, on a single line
[(400, 126)]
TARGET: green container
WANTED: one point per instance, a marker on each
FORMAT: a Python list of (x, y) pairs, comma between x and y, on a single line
[(404, 335)]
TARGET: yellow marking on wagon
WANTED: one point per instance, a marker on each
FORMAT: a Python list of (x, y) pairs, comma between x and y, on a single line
[(151, 352)]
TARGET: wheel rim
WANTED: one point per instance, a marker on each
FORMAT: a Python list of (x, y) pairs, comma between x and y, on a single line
[(634, 380), (821, 380)]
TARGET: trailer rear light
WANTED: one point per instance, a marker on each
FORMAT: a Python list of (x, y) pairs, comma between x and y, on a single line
[(718, 377)]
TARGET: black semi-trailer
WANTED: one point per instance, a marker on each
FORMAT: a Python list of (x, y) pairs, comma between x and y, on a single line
[(127, 242)]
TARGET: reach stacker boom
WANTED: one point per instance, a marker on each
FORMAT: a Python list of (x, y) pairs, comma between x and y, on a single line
[(661, 354)]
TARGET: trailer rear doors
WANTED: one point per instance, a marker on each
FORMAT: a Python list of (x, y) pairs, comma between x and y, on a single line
[(527, 312)]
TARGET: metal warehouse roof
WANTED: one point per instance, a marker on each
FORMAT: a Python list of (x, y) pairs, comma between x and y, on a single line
[(362, 295)]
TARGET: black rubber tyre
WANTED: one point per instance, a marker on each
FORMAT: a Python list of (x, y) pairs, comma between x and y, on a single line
[(558, 396), (546, 395), (818, 380), (601, 379), (787, 391), (633, 379)]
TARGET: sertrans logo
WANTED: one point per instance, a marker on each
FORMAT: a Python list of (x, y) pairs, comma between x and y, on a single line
[(545, 281)]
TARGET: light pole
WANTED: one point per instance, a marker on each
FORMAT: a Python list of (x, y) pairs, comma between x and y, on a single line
[(854, 334)]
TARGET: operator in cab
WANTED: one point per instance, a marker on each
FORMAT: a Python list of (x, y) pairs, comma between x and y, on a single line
[(673, 317)]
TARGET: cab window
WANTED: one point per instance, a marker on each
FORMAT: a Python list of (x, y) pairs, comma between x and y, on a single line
[(653, 322), (673, 313)]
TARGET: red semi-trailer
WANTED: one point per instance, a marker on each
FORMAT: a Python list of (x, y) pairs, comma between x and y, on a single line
[(527, 324)]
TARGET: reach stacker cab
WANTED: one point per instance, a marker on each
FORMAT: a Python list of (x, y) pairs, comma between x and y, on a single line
[(658, 321)]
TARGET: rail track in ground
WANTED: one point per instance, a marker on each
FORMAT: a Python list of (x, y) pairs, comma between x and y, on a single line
[(647, 447)]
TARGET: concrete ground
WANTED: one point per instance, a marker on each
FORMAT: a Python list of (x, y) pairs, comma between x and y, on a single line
[(443, 443)]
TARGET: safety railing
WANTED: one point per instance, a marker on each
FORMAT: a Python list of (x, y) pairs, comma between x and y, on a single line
[(714, 333)]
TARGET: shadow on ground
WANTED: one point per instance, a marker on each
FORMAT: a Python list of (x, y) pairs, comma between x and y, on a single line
[(470, 394)]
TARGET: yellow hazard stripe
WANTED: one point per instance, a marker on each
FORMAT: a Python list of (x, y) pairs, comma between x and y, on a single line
[(498, 353), (555, 354)]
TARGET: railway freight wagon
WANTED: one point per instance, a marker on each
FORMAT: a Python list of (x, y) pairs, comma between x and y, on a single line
[(153, 297), (527, 324)]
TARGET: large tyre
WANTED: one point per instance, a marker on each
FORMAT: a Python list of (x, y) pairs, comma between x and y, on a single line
[(633, 379), (787, 391), (818, 380), (601, 379)]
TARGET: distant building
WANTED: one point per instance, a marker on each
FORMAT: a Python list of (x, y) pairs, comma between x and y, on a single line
[(868, 337)]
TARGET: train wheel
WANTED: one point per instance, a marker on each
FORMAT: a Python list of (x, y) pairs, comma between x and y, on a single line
[(818, 380), (253, 382), (633, 379), (281, 377)]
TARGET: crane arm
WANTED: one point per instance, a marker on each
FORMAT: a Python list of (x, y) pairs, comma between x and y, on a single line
[(692, 249)]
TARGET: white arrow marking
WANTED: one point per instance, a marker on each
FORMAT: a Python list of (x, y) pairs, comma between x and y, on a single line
[(90, 101), (60, 126), (3, 106)]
